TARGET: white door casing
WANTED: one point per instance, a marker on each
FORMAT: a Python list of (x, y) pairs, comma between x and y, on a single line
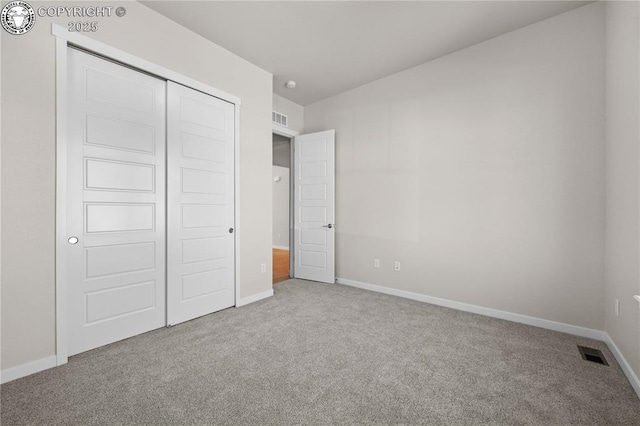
[(200, 197), (115, 202), (314, 200)]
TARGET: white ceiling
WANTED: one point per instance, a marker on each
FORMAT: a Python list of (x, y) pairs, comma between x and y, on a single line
[(328, 47)]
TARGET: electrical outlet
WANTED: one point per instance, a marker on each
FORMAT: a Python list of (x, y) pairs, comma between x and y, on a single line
[(376, 263), (396, 266), (263, 268), (617, 307)]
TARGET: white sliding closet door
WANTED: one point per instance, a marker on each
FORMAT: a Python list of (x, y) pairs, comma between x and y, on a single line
[(200, 196), (115, 250)]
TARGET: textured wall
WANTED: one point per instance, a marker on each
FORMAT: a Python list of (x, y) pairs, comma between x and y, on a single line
[(623, 189), (482, 172), (281, 151), (281, 207)]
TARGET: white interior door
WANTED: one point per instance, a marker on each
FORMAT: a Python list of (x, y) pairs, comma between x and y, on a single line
[(314, 199), (115, 202), (200, 194)]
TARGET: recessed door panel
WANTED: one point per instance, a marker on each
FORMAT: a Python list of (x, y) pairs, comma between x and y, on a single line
[(311, 192), (119, 217), (314, 237), (200, 193), (202, 113), (115, 302), (119, 175), (203, 182), (201, 148), (117, 133), (119, 258), (203, 249), (319, 147), (204, 215), (313, 169), (313, 259), (119, 91), (317, 214), (203, 283), (115, 165)]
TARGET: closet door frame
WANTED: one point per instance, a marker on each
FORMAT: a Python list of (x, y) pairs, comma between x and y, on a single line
[(65, 39)]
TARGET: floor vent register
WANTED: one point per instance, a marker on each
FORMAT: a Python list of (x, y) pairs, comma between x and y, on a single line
[(593, 355)]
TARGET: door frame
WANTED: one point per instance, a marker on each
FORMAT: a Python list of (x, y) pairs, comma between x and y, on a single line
[(65, 39), (288, 133)]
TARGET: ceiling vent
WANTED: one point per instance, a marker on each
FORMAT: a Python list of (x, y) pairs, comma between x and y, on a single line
[(280, 119)]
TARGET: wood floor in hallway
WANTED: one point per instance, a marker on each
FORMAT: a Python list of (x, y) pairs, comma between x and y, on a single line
[(280, 265)]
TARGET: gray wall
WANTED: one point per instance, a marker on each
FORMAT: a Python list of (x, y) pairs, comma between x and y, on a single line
[(281, 151), (28, 161), (482, 172), (281, 207), (623, 189)]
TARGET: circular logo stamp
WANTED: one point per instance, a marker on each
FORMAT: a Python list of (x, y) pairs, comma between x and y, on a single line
[(121, 11), (18, 17)]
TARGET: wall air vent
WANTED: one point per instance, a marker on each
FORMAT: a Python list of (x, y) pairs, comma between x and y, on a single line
[(280, 119)]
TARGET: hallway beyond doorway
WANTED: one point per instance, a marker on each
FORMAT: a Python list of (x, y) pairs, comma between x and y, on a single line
[(280, 265)]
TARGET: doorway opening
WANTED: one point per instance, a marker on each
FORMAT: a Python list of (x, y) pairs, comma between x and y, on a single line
[(304, 165), (281, 205)]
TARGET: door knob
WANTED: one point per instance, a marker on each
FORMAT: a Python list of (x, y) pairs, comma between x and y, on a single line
[(329, 226), (73, 240), (231, 230)]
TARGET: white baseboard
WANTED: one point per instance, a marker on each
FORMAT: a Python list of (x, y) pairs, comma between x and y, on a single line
[(254, 298), (509, 316), (281, 247), (27, 369), (626, 368)]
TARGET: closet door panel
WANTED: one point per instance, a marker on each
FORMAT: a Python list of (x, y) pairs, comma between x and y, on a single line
[(200, 196), (115, 257)]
